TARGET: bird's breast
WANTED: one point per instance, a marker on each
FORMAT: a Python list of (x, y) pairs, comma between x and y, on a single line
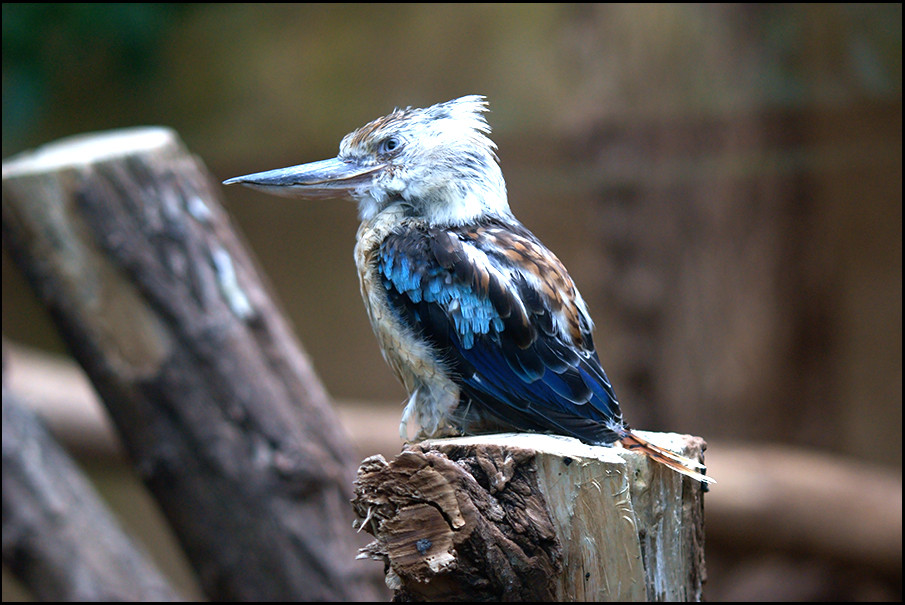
[(432, 394)]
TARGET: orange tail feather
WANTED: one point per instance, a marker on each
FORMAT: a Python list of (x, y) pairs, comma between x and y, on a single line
[(680, 464)]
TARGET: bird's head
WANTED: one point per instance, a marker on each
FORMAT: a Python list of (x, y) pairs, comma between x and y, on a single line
[(436, 164)]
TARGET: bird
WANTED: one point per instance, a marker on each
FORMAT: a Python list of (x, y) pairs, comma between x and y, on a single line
[(478, 319)]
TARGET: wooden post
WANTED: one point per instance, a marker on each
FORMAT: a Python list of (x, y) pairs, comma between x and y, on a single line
[(123, 238), (47, 505), (534, 517)]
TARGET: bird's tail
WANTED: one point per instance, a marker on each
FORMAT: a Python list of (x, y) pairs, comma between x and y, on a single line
[(680, 464)]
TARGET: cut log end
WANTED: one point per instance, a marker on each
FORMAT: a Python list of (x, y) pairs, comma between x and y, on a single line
[(87, 149), (533, 517)]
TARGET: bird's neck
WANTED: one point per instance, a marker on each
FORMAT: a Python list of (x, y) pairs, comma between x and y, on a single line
[(447, 200)]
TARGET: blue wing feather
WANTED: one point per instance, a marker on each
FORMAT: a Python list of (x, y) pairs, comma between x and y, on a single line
[(495, 330)]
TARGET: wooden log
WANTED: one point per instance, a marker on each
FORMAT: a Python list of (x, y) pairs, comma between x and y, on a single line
[(764, 491), (123, 238), (47, 505), (534, 517)]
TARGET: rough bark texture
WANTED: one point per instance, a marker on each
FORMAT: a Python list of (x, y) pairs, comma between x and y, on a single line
[(48, 506), (123, 238), (533, 517)]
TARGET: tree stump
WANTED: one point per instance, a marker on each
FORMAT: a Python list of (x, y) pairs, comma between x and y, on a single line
[(536, 518)]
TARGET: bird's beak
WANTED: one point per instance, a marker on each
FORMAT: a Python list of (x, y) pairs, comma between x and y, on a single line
[(324, 179)]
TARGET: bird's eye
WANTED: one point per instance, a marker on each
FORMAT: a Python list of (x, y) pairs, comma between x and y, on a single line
[(390, 144)]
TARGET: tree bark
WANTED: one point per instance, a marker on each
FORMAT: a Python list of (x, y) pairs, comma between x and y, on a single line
[(534, 518), (47, 505), (124, 240)]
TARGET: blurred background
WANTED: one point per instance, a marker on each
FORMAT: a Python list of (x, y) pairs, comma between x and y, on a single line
[(724, 183)]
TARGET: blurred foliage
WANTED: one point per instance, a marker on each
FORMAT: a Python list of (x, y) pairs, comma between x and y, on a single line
[(833, 48), (224, 74), (56, 52), (231, 71)]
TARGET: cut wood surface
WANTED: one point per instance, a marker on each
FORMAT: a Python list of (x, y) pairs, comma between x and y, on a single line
[(534, 517)]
